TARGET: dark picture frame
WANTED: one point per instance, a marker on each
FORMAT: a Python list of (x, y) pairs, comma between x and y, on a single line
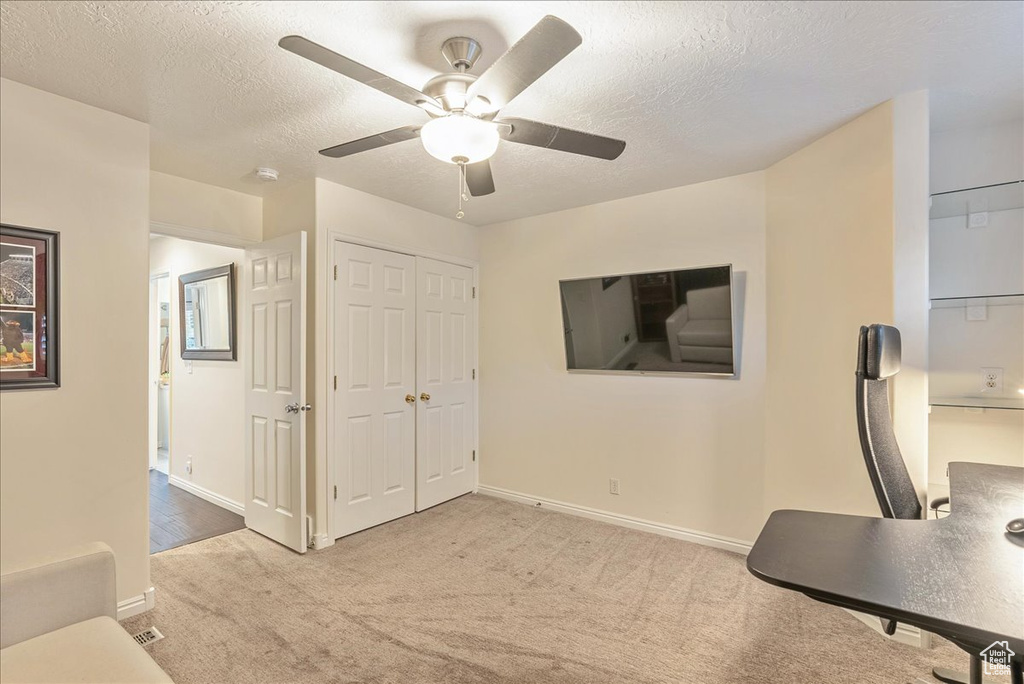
[(191, 353), (29, 308)]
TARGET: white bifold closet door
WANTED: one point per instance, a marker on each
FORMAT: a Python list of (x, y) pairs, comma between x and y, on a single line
[(375, 363), (445, 353), (404, 417)]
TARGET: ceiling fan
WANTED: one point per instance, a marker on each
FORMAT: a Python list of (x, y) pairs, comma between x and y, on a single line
[(463, 129)]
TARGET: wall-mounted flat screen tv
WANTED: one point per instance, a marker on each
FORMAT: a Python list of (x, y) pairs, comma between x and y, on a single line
[(658, 322)]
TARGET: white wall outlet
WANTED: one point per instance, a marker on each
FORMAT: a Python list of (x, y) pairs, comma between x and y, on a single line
[(978, 219), (188, 465), (188, 367), (992, 380), (978, 312), (613, 486)]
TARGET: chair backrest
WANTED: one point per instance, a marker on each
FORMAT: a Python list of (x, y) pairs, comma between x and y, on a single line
[(710, 302), (878, 359)]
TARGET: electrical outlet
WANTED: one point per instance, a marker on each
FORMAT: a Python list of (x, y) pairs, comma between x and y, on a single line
[(613, 486), (992, 380), (188, 465), (978, 219), (976, 313)]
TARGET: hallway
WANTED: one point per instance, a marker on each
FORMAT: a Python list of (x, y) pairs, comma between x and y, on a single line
[(177, 518)]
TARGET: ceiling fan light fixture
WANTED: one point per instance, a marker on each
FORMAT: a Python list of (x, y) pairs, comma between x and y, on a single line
[(460, 139)]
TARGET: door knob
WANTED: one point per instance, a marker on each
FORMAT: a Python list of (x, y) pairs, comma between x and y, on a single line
[(410, 399), (424, 397), (291, 408)]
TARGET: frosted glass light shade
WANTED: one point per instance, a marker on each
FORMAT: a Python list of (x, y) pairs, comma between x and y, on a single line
[(460, 138)]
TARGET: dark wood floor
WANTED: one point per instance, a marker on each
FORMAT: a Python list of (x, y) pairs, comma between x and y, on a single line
[(177, 518)]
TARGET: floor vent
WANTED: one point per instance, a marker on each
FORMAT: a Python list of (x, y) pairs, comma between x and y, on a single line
[(148, 636)]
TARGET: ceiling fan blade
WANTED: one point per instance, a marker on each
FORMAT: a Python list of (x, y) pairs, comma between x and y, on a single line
[(356, 71), (540, 49), (373, 141), (565, 139), (479, 178)]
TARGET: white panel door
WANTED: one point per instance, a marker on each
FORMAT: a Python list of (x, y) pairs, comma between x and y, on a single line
[(375, 406), (445, 353), (274, 335)]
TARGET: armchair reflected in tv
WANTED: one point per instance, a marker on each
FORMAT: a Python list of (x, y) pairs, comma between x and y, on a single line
[(650, 323)]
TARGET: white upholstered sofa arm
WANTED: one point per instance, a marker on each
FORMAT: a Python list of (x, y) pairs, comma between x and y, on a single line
[(676, 321), (63, 590), (673, 324)]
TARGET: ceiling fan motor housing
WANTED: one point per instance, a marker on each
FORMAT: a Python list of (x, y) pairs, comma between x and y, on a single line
[(449, 90)]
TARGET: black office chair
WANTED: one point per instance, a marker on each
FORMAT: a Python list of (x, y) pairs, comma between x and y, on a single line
[(878, 359)]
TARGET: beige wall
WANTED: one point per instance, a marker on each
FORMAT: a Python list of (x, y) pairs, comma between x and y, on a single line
[(205, 211), (73, 460), (688, 452), (830, 270), (910, 279), (208, 404)]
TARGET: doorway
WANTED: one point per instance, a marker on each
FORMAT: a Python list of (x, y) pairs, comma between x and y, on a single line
[(159, 372), (196, 441)]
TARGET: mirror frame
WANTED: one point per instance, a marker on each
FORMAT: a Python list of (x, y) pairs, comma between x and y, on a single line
[(228, 354)]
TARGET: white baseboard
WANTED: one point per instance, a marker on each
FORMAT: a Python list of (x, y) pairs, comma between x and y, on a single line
[(136, 604), (322, 541), (622, 354), (905, 634), (206, 494), (725, 543)]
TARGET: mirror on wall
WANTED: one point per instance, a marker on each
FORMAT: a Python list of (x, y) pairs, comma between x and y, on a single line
[(206, 303)]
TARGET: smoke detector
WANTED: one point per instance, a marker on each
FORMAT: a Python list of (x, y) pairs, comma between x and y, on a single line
[(266, 174)]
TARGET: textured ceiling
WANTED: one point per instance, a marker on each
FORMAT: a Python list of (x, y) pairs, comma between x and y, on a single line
[(699, 90)]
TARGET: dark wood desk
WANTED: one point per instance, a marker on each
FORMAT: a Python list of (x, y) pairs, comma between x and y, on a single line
[(961, 576)]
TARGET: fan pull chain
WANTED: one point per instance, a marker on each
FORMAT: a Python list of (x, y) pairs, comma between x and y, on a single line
[(463, 188)]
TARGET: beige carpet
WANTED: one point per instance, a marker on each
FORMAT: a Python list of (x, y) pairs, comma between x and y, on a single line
[(483, 590)]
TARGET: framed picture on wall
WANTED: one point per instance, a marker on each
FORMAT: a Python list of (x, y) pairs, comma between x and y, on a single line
[(29, 311)]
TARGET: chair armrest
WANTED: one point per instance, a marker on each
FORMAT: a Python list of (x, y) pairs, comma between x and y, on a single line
[(676, 321), (66, 589)]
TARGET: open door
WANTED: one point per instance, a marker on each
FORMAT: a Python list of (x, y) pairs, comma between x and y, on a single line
[(274, 339)]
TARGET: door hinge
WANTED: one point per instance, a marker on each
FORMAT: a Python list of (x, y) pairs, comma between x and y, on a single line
[(335, 491), (474, 454), (474, 293), (335, 382), (335, 271), (474, 373)]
